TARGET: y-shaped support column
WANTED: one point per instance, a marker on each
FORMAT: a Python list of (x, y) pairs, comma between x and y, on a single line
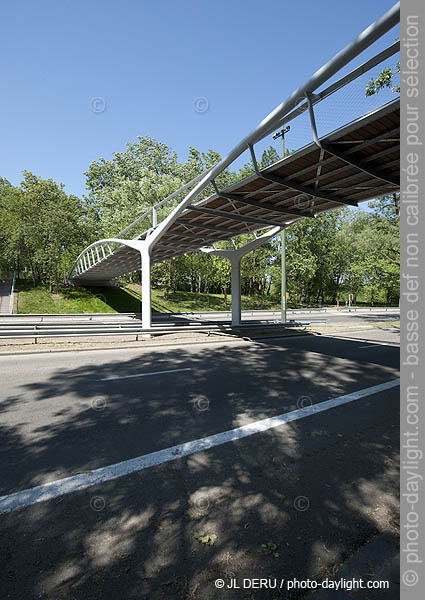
[(145, 258), (235, 256)]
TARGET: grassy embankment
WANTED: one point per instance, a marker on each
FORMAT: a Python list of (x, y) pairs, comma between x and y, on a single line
[(72, 300)]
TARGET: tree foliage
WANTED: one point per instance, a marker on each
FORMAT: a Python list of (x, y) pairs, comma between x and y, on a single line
[(385, 79), (44, 229)]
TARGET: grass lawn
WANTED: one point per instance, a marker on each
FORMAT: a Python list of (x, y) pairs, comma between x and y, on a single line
[(386, 324), (73, 300), (193, 302), (66, 300)]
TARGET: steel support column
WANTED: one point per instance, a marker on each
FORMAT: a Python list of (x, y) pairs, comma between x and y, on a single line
[(235, 262), (235, 256), (146, 287)]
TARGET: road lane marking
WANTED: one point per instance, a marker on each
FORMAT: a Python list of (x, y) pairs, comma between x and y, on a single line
[(353, 339), (53, 489), (145, 374), (372, 345)]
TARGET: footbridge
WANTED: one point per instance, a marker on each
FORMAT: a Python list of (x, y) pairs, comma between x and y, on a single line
[(357, 161)]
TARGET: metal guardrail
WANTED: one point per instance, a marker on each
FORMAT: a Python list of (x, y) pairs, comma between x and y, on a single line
[(57, 330), (120, 317), (112, 324)]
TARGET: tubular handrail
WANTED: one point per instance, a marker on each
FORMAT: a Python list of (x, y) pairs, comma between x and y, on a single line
[(164, 201), (363, 41), (286, 111), (334, 87), (338, 85)]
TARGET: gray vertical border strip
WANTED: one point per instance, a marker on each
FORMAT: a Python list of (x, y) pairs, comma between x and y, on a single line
[(412, 300)]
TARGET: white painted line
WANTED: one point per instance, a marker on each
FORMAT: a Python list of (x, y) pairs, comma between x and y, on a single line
[(145, 374), (53, 489), (368, 346), (354, 339)]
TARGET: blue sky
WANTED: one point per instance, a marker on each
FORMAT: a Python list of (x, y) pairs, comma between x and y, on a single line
[(149, 60)]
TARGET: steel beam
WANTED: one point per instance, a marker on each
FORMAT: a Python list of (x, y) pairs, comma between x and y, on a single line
[(326, 161), (299, 187), (234, 216), (359, 164), (169, 247), (333, 150), (192, 235), (340, 60), (364, 40), (208, 226), (258, 204)]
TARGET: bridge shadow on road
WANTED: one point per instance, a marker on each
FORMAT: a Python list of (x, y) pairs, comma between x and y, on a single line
[(295, 501)]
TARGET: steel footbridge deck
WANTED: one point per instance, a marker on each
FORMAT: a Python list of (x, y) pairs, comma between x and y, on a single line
[(355, 162)]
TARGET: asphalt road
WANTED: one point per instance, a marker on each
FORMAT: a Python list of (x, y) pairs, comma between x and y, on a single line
[(355, 318), (318, 488), (360, 317)]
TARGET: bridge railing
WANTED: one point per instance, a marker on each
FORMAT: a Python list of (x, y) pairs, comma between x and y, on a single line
[(301, 102), (351, 102)]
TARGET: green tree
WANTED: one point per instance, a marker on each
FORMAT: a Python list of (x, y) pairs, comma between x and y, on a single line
[(43, 228), (385, 79)]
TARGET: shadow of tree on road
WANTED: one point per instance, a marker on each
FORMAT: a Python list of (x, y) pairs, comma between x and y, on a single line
[(312, 491)]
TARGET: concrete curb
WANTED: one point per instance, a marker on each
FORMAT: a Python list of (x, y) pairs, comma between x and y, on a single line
[(148, 345)]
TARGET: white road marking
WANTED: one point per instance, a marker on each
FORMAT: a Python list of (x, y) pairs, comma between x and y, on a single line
[(370, 342), (53, 489), (145, 374), (368, 346)]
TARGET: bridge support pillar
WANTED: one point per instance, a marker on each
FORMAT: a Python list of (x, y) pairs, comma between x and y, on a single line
[(235, 256), (146, 289), (235, 261)]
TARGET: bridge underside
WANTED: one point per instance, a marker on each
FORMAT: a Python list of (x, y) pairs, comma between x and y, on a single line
[(355, 163)]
